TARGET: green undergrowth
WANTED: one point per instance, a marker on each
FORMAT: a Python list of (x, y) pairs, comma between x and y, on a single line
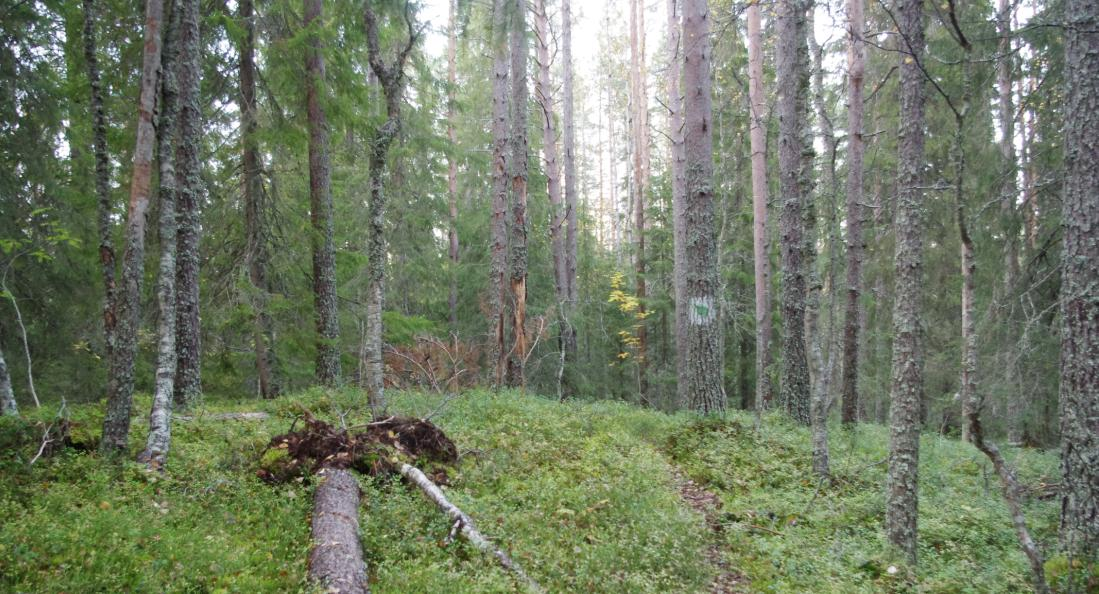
[(789, 532), (580, 494)]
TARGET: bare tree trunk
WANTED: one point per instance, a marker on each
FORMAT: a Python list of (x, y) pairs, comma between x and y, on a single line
[(571, 207), (569, 142), (639, 108), (8, 406), (188, 382), (907, 388), (102, 185), (1080, 277), (856, 65), (679, 180), (320, 201), (160, 416), (498, 268), (794, 159), (544, 95), (516, 376), (1008, 224), (757, 134), (116, 423), (700, 374), (451, 161), (391, 77), (336, 561), (255, 215)]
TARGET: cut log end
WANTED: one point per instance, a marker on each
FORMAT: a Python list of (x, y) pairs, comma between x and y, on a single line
[(336, 560)]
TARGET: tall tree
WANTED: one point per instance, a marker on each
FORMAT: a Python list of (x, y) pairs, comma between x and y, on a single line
[(391, 77), (188, 385), (102, 183), (757, 137), (451, 158), (116, 423), (543, 93), (255, 213), (794, 148), (1009, 194), (678, 173), (160, 416), (856, 66), (907, 385), (569, 142), (8, 405), (1080, 277), (701, 386), (517, 354), (320, 201), (499, 242), (639, 111)]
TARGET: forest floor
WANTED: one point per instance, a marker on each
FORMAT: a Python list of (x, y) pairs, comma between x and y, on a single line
[(586, 496)]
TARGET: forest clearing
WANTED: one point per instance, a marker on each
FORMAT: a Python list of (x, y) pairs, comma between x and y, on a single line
[(540, 296)]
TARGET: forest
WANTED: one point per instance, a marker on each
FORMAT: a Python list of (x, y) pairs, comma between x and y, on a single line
[(528, 295)]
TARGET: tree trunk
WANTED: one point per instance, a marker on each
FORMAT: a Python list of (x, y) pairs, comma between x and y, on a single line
[(320, 201), (907, 386), (188, 383), (760, 245), (116, 423), (8, 406), (516, 376), (499, 239), (255, 215), (852, 317), (451, 160), (569, 142), (102, 185), (1080, 276), (336, 561), (639, 105), (391, 77), (160, 416), (678, 172), (700, 373), (794, 163), (544, 95)]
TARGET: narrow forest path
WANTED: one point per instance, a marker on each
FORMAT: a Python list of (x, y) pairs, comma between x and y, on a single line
[(706, 503)]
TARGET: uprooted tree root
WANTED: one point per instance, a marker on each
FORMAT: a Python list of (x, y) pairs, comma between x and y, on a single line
[(379, 448)]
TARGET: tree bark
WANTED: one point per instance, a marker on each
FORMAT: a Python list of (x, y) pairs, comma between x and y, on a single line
[(544, 96), (391, 77), (160, 416), (856, 65), (640, 136), (320, 200), (451, 160), (700, 373), (8, 405), (1080, 277), (102, 185), (498, 267), (569, 141), (516, 376), (336, 560), (116, 423), (188, 383), (907, 384), (679, 179), (795, 156), (255, 215), (757, 134)]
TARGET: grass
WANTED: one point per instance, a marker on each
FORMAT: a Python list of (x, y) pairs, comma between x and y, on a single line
[(579, 493)]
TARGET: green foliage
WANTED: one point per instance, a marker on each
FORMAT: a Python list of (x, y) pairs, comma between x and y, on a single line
[(829, 536), (402, 330)]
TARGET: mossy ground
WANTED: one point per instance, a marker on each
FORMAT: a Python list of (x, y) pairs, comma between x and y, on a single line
[(580, 494)]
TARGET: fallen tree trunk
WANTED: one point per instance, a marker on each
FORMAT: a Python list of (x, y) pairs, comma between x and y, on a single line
[(336, 560), (465, 524)]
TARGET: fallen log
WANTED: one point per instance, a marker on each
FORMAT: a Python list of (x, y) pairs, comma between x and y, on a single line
[(464, 524), (241, 416), (336, 561)]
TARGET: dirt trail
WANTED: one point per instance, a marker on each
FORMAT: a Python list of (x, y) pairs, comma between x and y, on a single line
[(705, 502)]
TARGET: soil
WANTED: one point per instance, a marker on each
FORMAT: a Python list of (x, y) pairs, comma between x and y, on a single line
[(705, 502)]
